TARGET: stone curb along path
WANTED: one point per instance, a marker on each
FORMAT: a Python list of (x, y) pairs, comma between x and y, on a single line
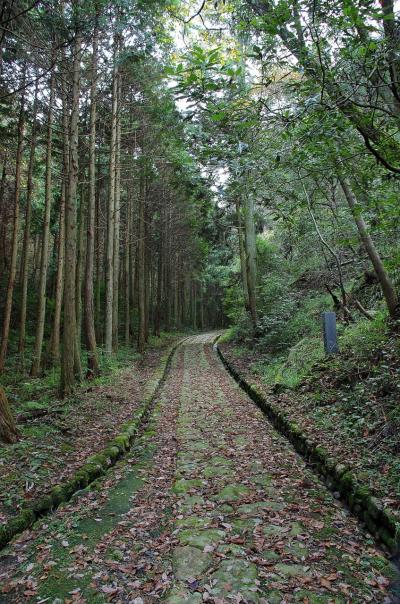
[(95, 465), (337, 476)]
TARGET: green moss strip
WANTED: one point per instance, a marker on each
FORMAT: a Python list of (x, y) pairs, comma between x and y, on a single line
[(94, 466), (337, 476)]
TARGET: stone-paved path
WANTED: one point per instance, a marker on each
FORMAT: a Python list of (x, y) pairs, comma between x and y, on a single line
[(211, 505)]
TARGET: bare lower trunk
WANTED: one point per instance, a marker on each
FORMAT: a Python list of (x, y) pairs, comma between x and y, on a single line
[(157, 326), (44, 260), (90, 333), (242, 253), (127, 275), (115, 311), (140, 270), (3, 221), (78, 286), (111, 214), (54, 346), (8, 429), (388, 290), (251, 257), (67, 382), (15, 233), (28, 215)]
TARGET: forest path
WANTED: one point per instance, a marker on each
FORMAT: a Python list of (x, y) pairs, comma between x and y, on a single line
[(211, 504)]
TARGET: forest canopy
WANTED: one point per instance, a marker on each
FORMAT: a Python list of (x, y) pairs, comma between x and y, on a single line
[(180, 164)]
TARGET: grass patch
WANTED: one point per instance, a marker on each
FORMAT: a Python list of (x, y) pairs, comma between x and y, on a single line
[(289, 371)]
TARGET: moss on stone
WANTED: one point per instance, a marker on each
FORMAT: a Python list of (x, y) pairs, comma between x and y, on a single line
[(389, 521), (200, 538), (340, 469), (347, 482), (375, 508), (183, 485), (388, 539), (16, 525), (190, 501), (189, 562), (232, 549), (93, 471), (291, 570), (272, 530), (193, 522), (233, 577), (182, 596), (232, 492), (363, 495), (112, 453), (121, 442), (43, 505), (57, 495), (83, 477), (98, 459)]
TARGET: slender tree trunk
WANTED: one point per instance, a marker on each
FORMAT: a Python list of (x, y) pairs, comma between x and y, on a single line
[(146, 267), (99, 247), (67, 382), (117, 220), (242, 253), (90, 333), (44, 260), (3, 221), (194, 303), (141, 270), (157, 326), (79, 274), (54, 346), (388, 290), (28, 215), (127, 273), (133, 257), (111, 213), (251, 256), (15, 233)]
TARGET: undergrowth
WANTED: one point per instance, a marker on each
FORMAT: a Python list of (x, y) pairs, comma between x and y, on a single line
[(33, 395)]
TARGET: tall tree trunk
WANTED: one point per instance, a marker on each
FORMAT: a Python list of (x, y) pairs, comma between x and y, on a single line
[(3, 225), (117, 220), (44, 259), (251, 256), (127, 273), (90, 333), (111, 212), (141, 269), (67, 382), (242, 252), (388, 290), (15, 233), (133, 258), (54, 345), (99, 247), (27, 229), (146, 266), (157, 326), (78, 284)]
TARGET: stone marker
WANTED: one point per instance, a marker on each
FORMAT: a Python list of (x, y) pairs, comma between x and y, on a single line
[(329, 329)]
